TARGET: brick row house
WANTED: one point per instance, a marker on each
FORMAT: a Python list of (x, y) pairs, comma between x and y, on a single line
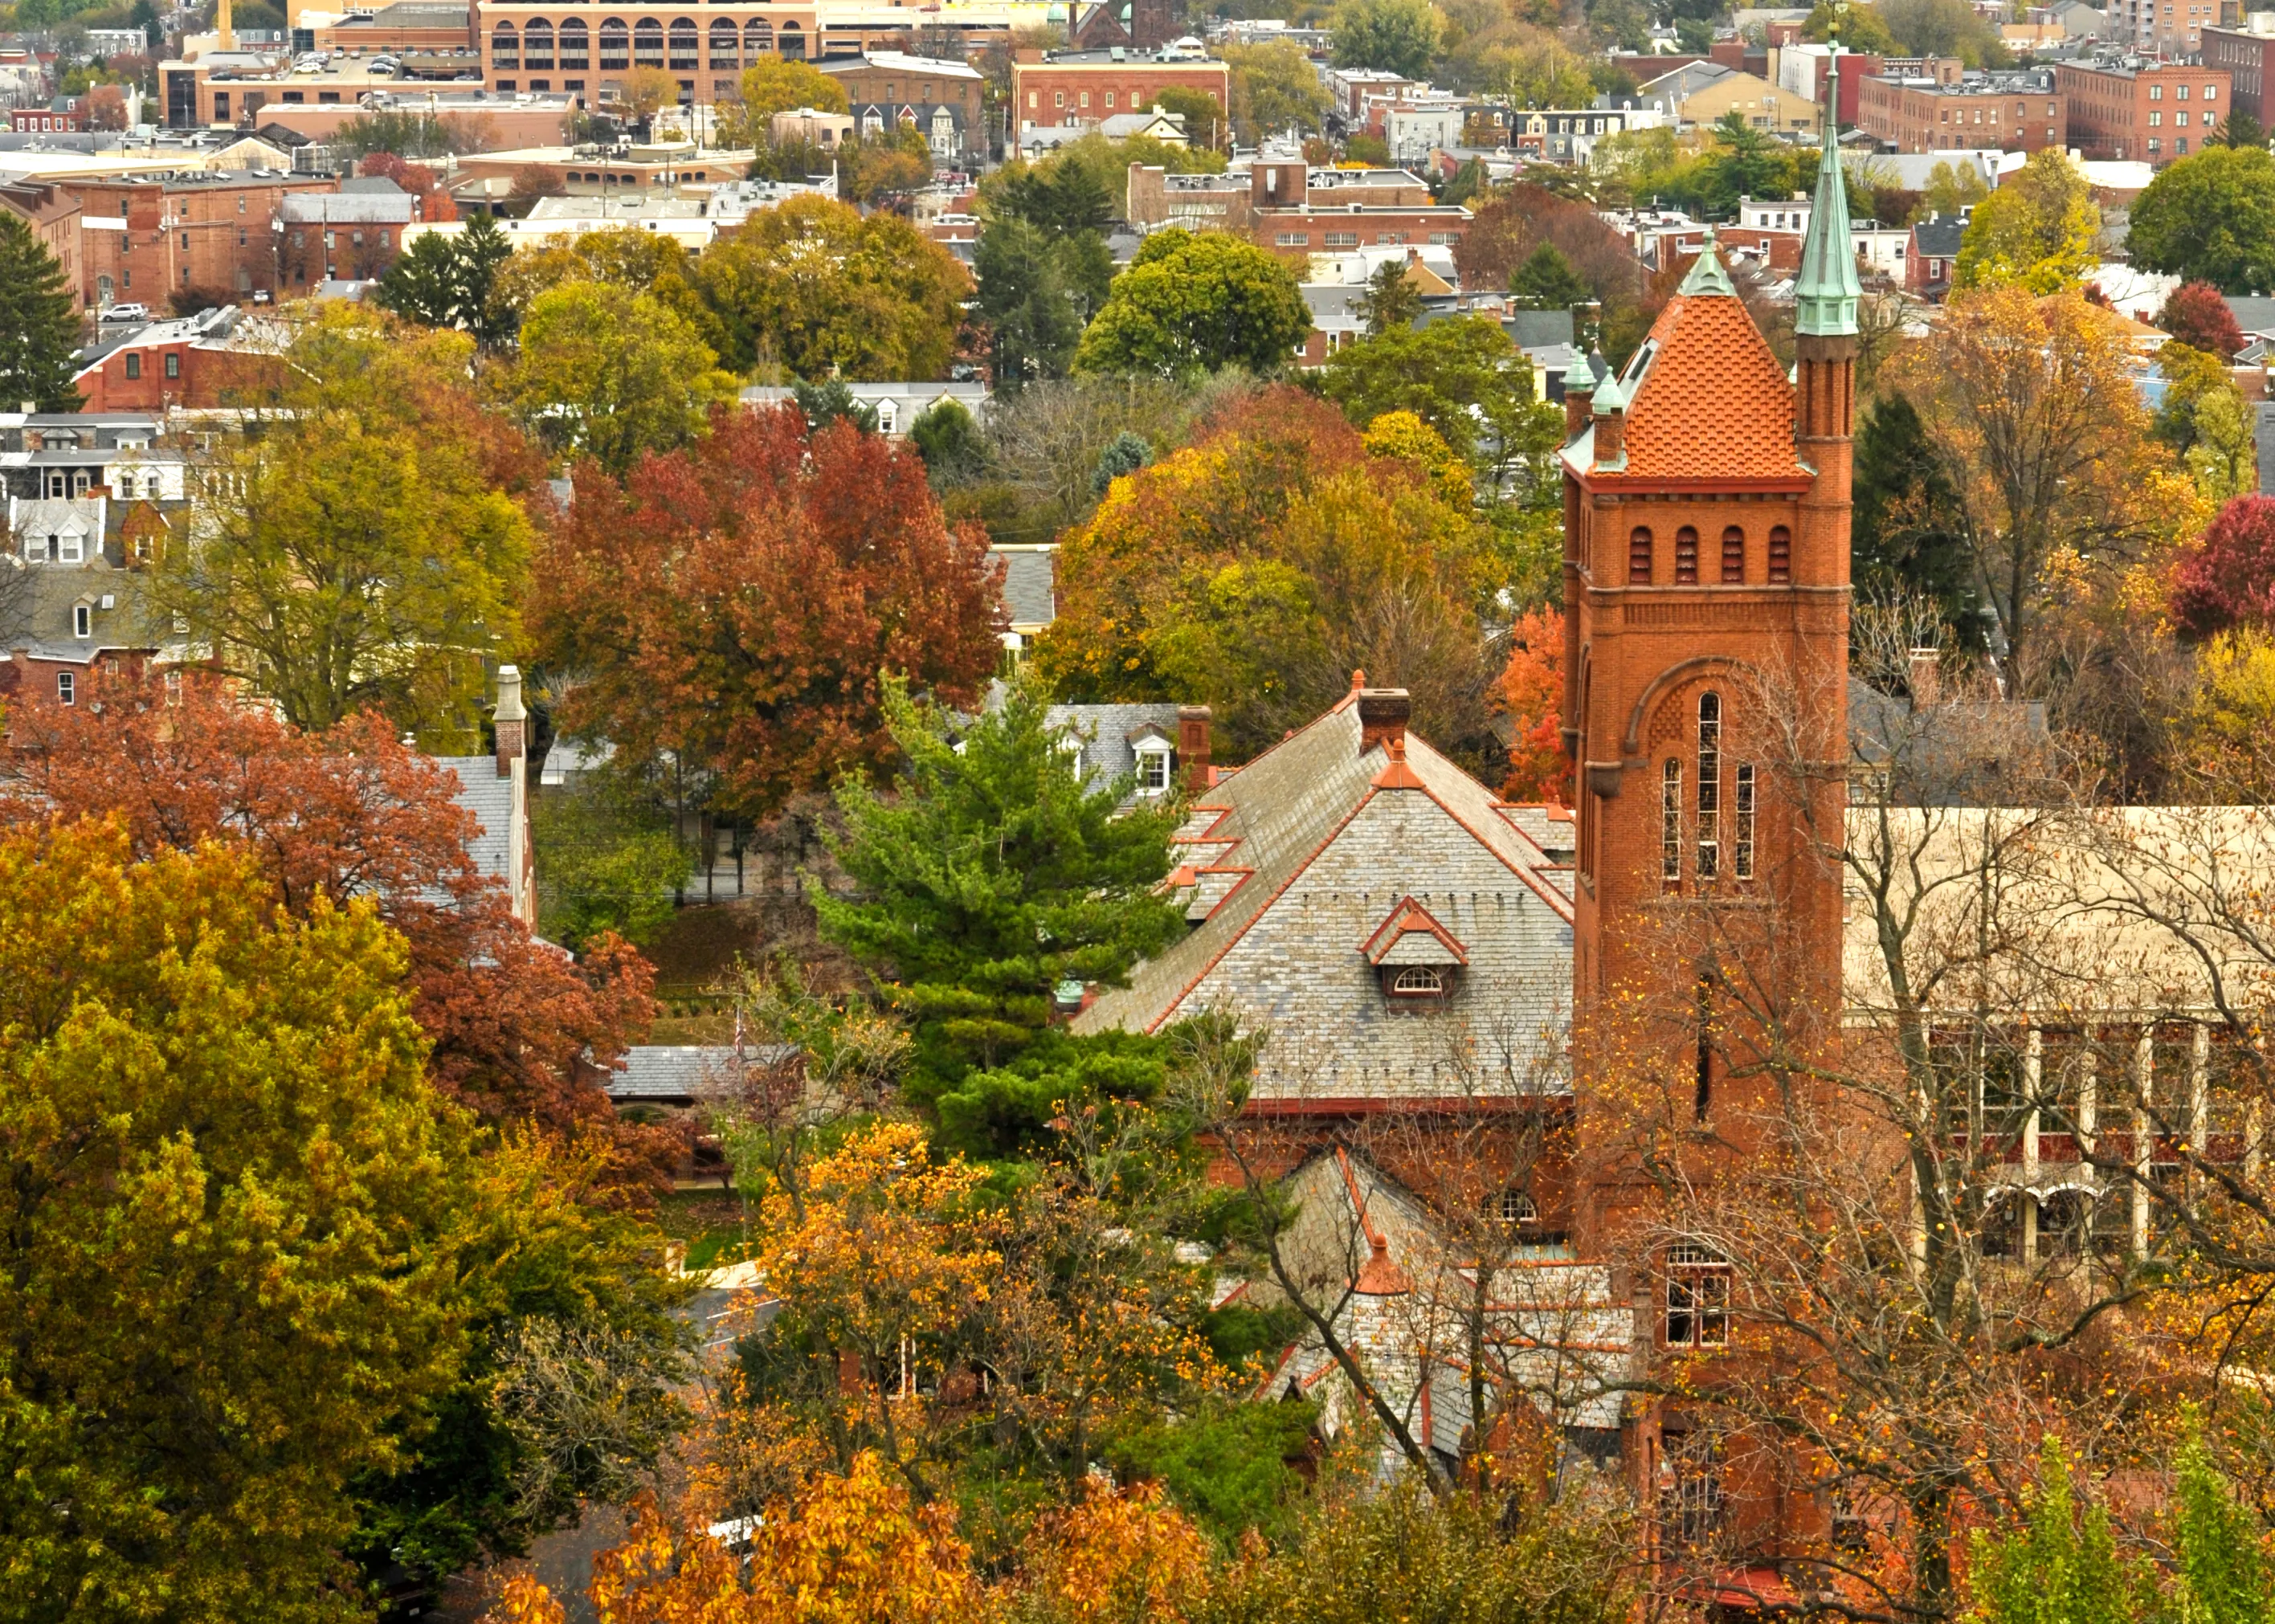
[(205, 239), (2151, 111), (2015, 112)]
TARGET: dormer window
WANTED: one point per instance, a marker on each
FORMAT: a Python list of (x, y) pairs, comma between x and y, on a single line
[(1152, 772), (1416, 981)]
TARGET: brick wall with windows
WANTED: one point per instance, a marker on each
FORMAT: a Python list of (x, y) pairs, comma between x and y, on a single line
[(202, 240), (1075, 93), (2152, 114)]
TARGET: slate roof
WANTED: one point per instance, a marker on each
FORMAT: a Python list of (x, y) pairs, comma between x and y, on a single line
[(1291, 865), (1707, 400), (1939, 238), (490, 798), (1105, 729), (1029, 583), (681, 1073)]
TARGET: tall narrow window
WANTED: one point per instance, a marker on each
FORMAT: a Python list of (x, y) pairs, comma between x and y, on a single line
[(1741, 854), (1733, 557), (1670, 823), (1686, 558), (1710, 785), (1639, 557), (1780, 555), (1697, 1298)]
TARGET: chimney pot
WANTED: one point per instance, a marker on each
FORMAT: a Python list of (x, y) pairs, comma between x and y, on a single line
[(1382, 717)]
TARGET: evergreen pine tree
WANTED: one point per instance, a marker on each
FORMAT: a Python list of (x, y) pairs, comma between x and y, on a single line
[(422, 284), (481, 248), (1547, 281), (39, 322), (994, 877)]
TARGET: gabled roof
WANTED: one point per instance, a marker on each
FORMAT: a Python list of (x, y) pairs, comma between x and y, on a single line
[(1392, 942), (1707, 401), (1287, 867)]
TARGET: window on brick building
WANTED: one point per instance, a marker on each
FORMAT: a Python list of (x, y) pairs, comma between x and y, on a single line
[(1710, 785), (1741, 834), (1670, 824), (1686, 558), (1697, 1298), (1782, 538), (1639, 557), (66, 688), (173, 364), (133, 367), (1733, 557)]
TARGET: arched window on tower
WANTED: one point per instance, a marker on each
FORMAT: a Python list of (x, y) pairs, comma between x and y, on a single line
[(1710, 785), (1733, 557), (1670, 823), (1686, 558), (1780, 555), (1741, 844), (1639, 557)]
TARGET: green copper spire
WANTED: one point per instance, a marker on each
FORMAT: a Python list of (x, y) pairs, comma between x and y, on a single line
[(1824, 297), (1706, 274)]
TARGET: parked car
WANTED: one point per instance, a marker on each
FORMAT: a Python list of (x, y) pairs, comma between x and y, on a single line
[(126, 313)]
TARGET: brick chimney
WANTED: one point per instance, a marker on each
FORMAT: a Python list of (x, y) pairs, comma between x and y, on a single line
[(512, 721), (1382, 716), (1193, 746), (1926, 678)]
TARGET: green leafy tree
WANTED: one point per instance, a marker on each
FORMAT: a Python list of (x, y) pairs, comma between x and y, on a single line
[(1274, 89), (2061, 1564), (1851, 23), (833, 402), (994, 876), (873, 168), (1907, 541), (607, 860), (225, 1280), (1059, 198), (1745, 163), (371, 549), (421, 286), (2210, 217), (1205, 121), (610, 374), (1462, 376), (821, 290), (1391, 299), (1399, 35), (772, 86), (39, 321), (1191, 303), (1547, 281), (1951, 190), (2039, 230)]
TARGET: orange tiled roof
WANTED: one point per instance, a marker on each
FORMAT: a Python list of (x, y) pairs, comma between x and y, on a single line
[(1713, 404)]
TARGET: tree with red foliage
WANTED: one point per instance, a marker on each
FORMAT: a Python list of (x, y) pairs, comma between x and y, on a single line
[(2228, 579), (1532, 690), (2198, 316), (736, 603), (434, 201), (517, 1023)]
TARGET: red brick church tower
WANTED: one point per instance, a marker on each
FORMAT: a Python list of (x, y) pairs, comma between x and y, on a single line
[(1707, 526)]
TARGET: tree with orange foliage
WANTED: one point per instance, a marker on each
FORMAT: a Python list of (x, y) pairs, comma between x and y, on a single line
[(420, 181), (736, 604), (517, 1026), (1118, 1558), (854, 1548), (1254, 568), (1532, 690)]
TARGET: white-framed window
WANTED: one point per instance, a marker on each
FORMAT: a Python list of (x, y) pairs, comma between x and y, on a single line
[(1417, 981), (1152, 772), (1517, 1207), (1697, 1298), (66, 549), (82, 620), (1670, 823), (1710, 785), (66, 688)]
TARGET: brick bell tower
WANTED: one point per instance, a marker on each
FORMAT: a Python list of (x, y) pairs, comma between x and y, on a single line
[(1706, 514)]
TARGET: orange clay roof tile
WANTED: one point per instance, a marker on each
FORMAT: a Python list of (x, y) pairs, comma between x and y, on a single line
[(1713, 404)]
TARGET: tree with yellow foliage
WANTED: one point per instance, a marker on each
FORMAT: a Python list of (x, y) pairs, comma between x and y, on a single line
[(2039, 229)]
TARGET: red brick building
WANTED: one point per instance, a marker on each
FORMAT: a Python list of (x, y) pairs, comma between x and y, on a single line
[(53, 213), (65, 113), (2155, 113), (197, 362), (2015, 112), (206, 236), (1078, 87), (2246, 58)]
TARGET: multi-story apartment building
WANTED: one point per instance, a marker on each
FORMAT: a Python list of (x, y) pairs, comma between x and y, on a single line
[(940, 97), (2246, 54), (53, 213), (2139, 111), (1082, 87), (2021, 111), (2162, 28), (208, 236)]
